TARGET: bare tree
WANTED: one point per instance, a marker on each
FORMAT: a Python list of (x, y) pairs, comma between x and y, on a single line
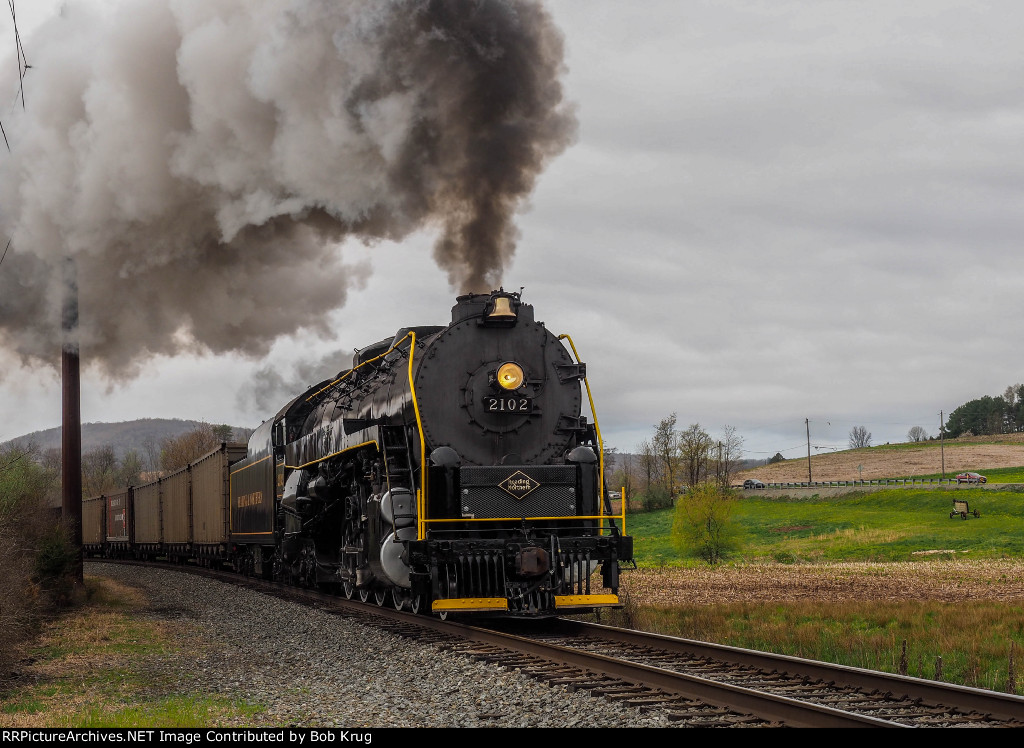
[(730, 451), (666, 447), (859, 437), (151, 451), (917, 434), (181, 450), (648, 467), (694, 451), (623, 475), (99, 471), (129, 470)]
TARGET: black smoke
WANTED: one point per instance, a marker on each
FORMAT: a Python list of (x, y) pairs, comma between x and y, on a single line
[(203, 161)]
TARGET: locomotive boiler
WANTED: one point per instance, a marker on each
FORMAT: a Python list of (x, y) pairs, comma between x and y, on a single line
[(448, 470)]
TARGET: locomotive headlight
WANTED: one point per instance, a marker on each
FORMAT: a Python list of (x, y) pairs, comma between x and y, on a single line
[(510, 376)]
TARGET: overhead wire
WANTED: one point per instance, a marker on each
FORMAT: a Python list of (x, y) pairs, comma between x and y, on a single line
[(23, 67)]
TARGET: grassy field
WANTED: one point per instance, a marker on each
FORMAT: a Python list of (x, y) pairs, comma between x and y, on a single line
[(885, 525)]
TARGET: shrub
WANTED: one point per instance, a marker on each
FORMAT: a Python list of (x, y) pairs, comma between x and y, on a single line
[(55, 563), (702, 526), (25, 523)]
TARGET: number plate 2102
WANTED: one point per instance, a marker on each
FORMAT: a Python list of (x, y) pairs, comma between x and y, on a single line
[(508, 404)]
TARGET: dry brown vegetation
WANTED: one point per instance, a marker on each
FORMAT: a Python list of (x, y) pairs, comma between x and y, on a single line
[(945, 580), (978, 453)]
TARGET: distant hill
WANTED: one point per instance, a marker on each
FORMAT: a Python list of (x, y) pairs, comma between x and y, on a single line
[(122, 436), (977, 453)]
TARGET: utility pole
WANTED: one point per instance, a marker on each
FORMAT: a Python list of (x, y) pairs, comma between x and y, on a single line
[(807, 423), (942, 442), (71, 423)]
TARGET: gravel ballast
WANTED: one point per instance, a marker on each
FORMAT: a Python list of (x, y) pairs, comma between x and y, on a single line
[(307, 668)]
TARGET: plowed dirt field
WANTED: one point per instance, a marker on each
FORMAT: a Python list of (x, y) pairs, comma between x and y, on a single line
[(898, 461), (946, 580)]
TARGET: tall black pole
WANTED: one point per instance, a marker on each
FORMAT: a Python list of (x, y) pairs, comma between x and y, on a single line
[(807, 423), (71, 423), (942, 442)]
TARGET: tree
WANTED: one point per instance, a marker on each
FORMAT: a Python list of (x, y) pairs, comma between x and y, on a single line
[(730, 451), (622, 474), (151, 450), (665, 445), (694, 451), (984, 415), (777, 458), (35, 553), (129, 471), (99, 471), (223, 432), (177, 452), (859, 437), (917, 434), (702, 526)]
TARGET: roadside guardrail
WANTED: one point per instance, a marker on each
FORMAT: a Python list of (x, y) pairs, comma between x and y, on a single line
[(886, 482)]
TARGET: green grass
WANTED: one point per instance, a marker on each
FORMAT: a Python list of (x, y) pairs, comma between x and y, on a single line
[(94, 669), (886, 525), (973, 641), (994, 475)]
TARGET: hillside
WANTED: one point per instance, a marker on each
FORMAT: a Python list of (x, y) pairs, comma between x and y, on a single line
[(979, 453), (122, 436)]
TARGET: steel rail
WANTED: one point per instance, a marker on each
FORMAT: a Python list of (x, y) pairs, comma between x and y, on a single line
[(1003, 706)]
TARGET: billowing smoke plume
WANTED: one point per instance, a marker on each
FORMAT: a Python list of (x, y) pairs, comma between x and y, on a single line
[(270, 387), (201, 161)]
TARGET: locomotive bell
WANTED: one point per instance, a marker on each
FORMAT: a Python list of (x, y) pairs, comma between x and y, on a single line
[(502, 311)]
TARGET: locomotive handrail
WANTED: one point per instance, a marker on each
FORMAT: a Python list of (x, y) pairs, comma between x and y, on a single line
[(374, 442), (600, 442), (359, 366), (421, 494)]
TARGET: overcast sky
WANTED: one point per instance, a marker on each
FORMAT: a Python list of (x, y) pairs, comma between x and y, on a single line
[(775, 215)]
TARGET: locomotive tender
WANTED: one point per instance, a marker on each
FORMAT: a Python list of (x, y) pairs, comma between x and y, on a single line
[(449, 470)]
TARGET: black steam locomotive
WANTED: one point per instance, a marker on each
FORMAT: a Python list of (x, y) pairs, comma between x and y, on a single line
[(449, 470)]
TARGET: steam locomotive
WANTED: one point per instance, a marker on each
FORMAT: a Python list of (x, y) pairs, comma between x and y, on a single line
[(448, 470)]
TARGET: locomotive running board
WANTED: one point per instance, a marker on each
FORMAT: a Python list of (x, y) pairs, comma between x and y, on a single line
[(583, 601), (470, 603)]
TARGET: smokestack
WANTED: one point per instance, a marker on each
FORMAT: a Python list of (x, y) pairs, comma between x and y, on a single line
[(71, 420)]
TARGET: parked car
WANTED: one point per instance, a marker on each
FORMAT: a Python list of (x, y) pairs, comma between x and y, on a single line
[(971, 478), (615, 495), (754, 483)]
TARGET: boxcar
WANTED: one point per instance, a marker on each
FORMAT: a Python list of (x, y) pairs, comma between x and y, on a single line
[(94, 526), (148, 520), (119, 523), (210, 482), (177, 513)]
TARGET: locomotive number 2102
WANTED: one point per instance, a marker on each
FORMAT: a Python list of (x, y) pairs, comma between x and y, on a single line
[(508, 404)]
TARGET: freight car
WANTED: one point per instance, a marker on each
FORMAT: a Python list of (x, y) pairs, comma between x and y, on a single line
[(182, 516), (448, 469)]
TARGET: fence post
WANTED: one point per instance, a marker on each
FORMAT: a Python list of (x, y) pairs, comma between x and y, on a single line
[(1011, 679), (903, 659), (938, 668)]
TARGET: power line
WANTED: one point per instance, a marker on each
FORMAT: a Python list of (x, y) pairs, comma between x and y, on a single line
[(23, 67)]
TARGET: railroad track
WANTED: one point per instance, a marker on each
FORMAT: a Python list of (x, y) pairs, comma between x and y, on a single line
[(692, 683)]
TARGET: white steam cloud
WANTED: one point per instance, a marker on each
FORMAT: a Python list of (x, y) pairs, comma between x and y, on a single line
[(201, 161)]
